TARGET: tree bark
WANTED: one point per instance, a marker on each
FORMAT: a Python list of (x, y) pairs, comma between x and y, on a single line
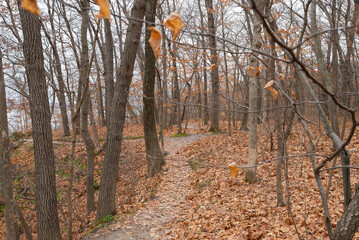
[(84, 78), (109, 80), (107, 196), (153, 151), (348, 224), (5, 162), (253, 98), (214, 113), (45, 195)]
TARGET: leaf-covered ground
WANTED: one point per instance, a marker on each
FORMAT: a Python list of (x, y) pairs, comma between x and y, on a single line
[(207, 203)]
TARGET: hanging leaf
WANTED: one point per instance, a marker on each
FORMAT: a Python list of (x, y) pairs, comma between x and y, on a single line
[(293, 94), (174, 23), (257, 72), (30, 6), (233, 169), (224, 115), (104, 9), (269, 87), (155, 41), (213, 66)]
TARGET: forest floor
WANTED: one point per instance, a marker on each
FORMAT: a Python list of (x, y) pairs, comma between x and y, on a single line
[(194, 197)]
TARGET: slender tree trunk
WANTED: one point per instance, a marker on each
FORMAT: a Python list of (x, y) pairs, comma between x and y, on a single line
[(5, 162), (214, 113), (253, 104), (107, 197), (90, 147), (45, 195), (153, 150), (204, 56), (109, 81)]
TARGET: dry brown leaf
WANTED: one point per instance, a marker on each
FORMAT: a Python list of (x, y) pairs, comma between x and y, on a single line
[(293, 94), (269, 87), (30, 6), (233, 169), (174, 23), (155, 41), (224, 115), (258, 71), (104, 9)]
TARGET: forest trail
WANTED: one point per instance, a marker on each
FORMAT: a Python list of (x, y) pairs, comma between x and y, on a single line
[(151, 222)]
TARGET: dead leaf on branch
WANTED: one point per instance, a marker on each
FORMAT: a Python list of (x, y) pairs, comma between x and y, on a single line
[(174, 23), (233, 169), (269, 87), (104, 9), (30, 6), (213, 66), (155, 41), (258, 71)]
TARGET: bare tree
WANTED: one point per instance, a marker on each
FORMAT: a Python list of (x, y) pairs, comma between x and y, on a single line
[(45, 196)]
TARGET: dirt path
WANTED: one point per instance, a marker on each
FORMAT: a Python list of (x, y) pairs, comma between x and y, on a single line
[(150, 222)]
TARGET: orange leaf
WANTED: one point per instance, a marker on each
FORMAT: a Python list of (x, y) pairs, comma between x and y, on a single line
[(224, 115), (233, 169), (104, 8), (174, 23), (293, 94), (257, 72), (155, 41), (30, 6), (213, 66)]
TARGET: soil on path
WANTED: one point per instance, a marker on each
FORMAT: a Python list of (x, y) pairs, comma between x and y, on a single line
[(151, 222)]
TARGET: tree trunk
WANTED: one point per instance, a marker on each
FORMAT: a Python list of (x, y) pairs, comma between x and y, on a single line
[(107, 196), (109, 81), (5, 162), (45, 195), (253, 98), (153, 151), (90, 147), (348, 224), (214, 113)]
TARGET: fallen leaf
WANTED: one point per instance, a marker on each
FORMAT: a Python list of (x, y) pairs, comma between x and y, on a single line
[(155, 41), (174, 23)]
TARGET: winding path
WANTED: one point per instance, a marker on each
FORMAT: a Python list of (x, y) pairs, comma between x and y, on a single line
[(150, 222)]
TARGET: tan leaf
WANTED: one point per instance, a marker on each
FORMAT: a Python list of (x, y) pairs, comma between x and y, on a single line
[(213, 66), (269, 87), (233, 169), (174, 23), (104, 8), (224, 115), (155, 41), (293, 94), (30, 6)]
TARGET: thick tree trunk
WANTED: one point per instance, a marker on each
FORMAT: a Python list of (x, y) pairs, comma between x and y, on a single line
[(153, 151), (45, 195), (5, 162), (107, 197), (214, 113), (349, 221)]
